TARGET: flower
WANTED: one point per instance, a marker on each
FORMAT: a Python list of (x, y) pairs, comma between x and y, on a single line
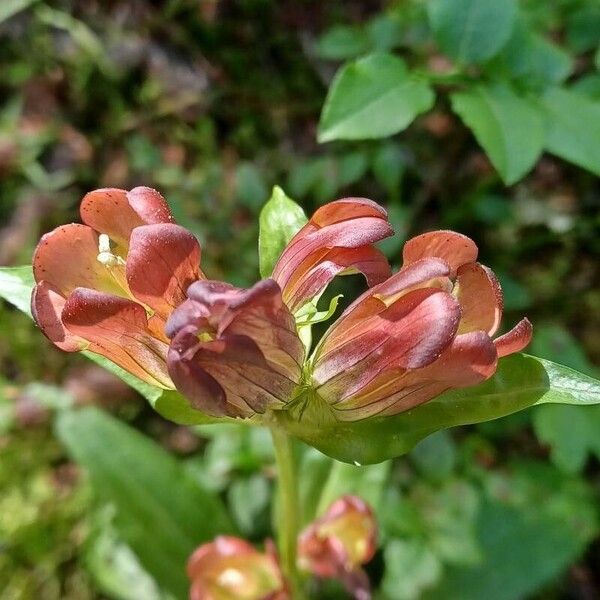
[(426, 329), (237, 352), (234, 352), (338, 239), (339, 543), (229, 567), (109, 285)]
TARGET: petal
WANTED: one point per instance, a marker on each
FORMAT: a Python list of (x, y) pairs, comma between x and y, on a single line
[(480, 297), (46, 307), (469, 360), (409, 334), (241, 346), (427, 273), (117, 328), (66, 258), (117, 212), (516, 339), (163, 261), (456, 249), (321, 267), (349, 223)]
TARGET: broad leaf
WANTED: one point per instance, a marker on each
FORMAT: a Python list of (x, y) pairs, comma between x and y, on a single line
[(8, 8), (573, 128), (280, 219), (521, 381), (342, 42), (373, 97), (510, 128), (161, 512), (471, 31)]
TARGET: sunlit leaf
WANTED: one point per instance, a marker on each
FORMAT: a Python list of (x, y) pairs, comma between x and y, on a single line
[(373, 97), (280, 219)]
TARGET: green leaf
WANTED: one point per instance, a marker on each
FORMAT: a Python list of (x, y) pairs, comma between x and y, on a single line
[(573, 128), (342, 42), (510, 128), (280, 219), (583, 29), (16, 285), (435, 456), (410, 568), (161, 512), (521, 381), (471, 31), (8, 8), (249, 186), (534, 60), (373, 97)]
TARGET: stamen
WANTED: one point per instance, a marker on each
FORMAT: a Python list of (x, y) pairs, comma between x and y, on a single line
[(105, 256)]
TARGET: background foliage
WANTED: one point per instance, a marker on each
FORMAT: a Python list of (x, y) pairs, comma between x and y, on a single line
[(477, 115)]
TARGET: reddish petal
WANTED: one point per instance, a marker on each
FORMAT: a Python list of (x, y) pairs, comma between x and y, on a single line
[(456, 249), (351, 223), (321, 267), (46, 307), (117, 328), (514, 340), (469, 360), (117, 212), (66, 258), (480, 298), (409, 334), (427, 273), (163, 261)]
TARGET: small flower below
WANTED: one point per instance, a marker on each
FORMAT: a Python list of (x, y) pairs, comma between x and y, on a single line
[(230, 567), (337, 545)]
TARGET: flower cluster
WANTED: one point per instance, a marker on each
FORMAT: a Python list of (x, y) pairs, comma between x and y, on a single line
[(127, 285), (336, 545)]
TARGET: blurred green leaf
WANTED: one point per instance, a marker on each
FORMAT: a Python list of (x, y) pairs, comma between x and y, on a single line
[(573, 128), (16, 285), (248, 500), (583, 28), (373, 97), (280, 219), (435, 456), (161, 513), (471, 31), (523, 548), (521, 381), (535, 60), (342, 42), (250, 188), (8, 8), (510, 128), (388, 166), (410, 568)]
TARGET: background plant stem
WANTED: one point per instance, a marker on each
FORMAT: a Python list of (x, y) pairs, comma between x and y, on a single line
[(287, 515)]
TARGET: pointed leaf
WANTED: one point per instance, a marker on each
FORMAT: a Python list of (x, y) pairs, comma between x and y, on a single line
[(509, 127), (161, 512), (280, 219), (373, 97)]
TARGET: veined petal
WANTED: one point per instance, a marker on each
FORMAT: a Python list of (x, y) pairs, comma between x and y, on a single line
[(245, 341), (315, 273), (66, 258), (351, 223), (46, 307), (117, 328), (118, 212), (455, 248), (411, 333), (469, 360), (426, 273), (514, 340), (163, 261), (480, 297)]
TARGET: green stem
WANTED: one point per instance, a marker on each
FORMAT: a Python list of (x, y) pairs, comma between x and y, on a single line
[(287, 516)]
